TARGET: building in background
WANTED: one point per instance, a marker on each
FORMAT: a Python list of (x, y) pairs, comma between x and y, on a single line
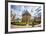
[(26, 16)]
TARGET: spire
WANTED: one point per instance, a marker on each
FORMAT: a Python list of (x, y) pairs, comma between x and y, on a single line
[(25, 12)]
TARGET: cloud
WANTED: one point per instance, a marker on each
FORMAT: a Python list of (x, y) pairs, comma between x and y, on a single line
[(18, 9)]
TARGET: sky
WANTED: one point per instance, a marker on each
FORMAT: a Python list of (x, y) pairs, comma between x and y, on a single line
[(19, 9)]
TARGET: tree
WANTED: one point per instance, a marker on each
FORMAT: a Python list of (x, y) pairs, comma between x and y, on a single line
[(12, 17), (18, 20), (33, 22)]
